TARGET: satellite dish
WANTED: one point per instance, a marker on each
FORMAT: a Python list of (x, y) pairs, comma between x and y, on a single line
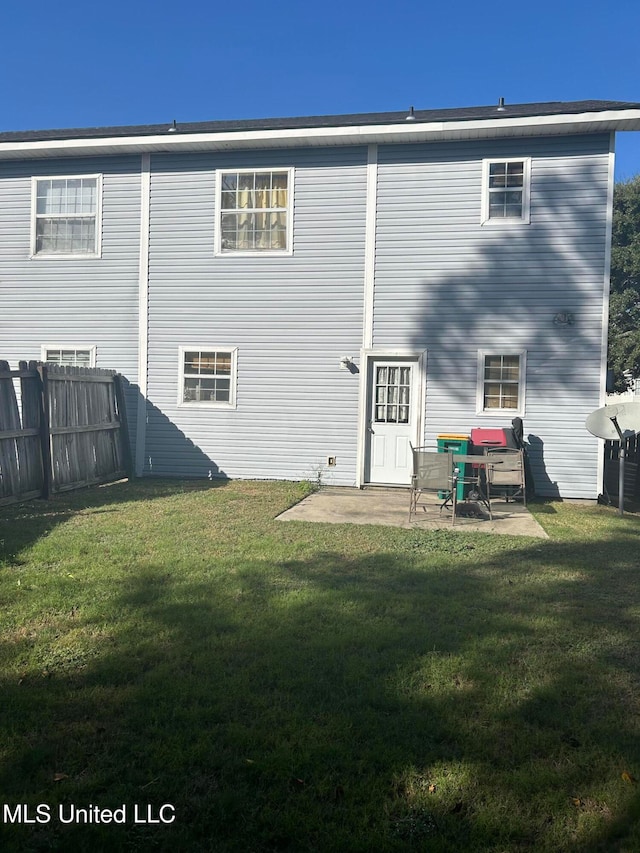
[(627, 415), (616, 423)]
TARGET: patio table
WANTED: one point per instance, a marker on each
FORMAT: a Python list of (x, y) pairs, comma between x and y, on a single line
[(478, 465)]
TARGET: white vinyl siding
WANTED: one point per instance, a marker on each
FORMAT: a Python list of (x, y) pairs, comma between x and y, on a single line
[(506, 191), (291, 317), (66, 216), (253, 211), (446, 284), (207, 377), (71, 356), (73, 302)]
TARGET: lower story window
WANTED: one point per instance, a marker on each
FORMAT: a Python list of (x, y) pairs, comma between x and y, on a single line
[(70, 356), (501, 382), (207, 376)]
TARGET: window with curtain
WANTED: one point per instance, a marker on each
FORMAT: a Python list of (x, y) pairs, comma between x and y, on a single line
[(254, 211), (393, 388), (66, 216)]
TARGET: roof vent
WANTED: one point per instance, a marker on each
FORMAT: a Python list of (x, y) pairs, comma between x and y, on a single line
[(501, 107), (173, 127), (411, 116)]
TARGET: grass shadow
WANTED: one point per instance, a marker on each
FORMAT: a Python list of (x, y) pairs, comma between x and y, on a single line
[(329, 688)]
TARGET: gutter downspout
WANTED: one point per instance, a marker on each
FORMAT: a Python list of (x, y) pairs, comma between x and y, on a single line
[(368, 304), (143, 312), (605, 297)]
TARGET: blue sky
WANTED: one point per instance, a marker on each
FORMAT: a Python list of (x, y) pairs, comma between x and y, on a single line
[(77, 64)]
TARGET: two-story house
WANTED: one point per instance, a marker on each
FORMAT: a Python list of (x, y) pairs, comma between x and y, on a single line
[(298, 297)]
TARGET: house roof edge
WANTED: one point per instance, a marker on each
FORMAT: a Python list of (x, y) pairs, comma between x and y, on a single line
[(424, 126)]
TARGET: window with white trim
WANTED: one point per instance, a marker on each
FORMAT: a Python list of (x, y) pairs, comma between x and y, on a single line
[(66, 216), (501, 383), (254, 211), (71, 356), (208, 377), (505, 191)]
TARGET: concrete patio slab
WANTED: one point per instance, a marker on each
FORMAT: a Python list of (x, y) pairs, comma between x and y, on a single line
[(341, 505)]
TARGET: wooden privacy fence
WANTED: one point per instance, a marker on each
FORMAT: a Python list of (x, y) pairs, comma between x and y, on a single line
[(21, 472), (65, 429)]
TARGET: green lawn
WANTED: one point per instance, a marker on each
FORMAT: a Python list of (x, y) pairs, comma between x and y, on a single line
[(300, 687)]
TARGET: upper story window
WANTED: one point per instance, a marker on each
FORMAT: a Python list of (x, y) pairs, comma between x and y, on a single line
[(505, 191), (66, 216), (501, 383), (71, 356), (208, 377), (254, 211)]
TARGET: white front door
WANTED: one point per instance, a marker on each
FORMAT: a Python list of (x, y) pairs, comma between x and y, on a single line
[(391, 420)]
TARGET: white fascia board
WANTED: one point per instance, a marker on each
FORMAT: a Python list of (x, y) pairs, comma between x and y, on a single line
[(594, 122)]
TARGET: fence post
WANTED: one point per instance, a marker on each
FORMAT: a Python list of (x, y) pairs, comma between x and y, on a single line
[(9, 421), (124, 426), (31, 415), (45, 440)]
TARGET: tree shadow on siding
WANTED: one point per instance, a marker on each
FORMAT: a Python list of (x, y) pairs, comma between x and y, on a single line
[(502, 289), (167, 449)]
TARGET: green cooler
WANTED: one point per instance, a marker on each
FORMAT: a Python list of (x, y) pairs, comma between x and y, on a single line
[(457, 444)]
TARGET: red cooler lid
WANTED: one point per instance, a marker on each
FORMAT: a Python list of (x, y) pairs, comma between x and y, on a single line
[(489, 437)]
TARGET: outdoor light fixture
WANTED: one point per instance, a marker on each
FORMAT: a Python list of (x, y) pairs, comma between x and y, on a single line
[(563, 318), (345, 362)]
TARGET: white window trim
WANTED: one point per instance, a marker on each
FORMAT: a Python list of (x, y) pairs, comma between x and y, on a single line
[(208, 404), (519, 412), (91, 348), (525, 219), (254, 253), (76, 256)]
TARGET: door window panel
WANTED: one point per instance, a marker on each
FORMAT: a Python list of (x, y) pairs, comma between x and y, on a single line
[(393, 395)]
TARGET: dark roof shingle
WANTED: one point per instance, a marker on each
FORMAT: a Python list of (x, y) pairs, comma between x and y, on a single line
[(354, 120)]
